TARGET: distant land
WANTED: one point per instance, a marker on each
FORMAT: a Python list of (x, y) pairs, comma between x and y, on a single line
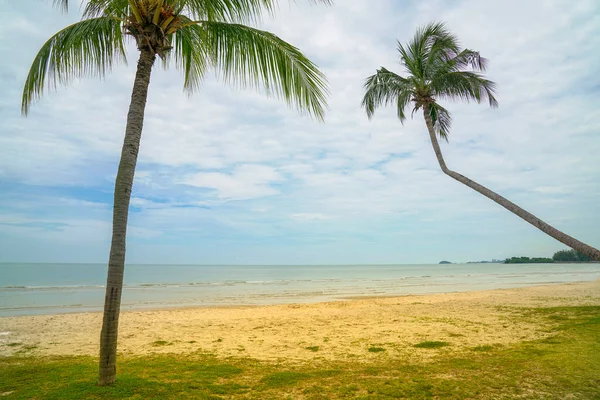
[(562, 256), (528, 260)]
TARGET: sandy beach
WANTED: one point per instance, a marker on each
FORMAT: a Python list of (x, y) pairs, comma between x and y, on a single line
[(342, 330)]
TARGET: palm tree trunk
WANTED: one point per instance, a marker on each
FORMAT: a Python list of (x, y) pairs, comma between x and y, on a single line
[(509, 205), (123, 185)]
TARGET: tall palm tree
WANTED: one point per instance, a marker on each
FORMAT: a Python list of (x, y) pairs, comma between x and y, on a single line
[(193, 34), (438, 68)]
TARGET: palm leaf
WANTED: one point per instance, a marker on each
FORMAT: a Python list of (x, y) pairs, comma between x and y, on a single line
[(411, 63), (441, 119), (426, 45), (438, 43), (469, 58), (450, 61), (63, 5), (229, 10), (87, 48), (110, 8), (224, 10), (191, 55), (251, 57), (465, 85), (384, 88)]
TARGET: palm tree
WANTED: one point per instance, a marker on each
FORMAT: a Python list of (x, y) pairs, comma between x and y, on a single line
[(193, 34), (439, 69)]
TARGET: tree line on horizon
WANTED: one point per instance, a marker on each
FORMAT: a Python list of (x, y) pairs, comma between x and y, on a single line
[(559, 256), (199, 35)]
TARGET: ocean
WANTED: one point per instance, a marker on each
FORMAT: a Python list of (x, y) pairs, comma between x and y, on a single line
[(28, 289)]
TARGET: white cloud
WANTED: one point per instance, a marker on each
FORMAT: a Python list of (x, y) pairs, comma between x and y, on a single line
[(245, 182)]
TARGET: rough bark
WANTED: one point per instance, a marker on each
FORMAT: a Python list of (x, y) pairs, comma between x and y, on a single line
[(509, 205), (123, 185)]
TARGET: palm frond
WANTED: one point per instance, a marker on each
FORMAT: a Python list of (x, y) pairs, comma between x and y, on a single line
[(251, 57), (411, 63), (469, 58), (465, 85), (192, 55), (439, 44), (109, 8), (87, 48), (229, 10), (225, 10), (426, 44), (63, 5), (441, 119), (384, 88), (450, 61)]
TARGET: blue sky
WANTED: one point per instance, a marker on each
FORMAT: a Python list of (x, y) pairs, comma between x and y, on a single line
[(231, 176)]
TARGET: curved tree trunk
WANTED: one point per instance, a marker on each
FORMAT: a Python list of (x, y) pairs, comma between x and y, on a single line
[(509, 205), (123, 185)]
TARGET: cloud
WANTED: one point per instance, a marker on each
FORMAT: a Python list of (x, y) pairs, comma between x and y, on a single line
[(245, 182)]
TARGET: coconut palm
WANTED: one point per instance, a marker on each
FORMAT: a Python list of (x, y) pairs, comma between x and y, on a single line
[(439, 69), (194, 35)]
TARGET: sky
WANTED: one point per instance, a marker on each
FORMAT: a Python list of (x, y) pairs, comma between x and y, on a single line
[(230, 176)]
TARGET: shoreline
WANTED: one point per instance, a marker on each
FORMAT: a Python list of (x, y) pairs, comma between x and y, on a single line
[(341, 329), (312, 298), (39, 289)]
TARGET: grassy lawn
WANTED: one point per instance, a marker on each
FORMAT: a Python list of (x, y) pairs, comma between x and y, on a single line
[(564, 365)]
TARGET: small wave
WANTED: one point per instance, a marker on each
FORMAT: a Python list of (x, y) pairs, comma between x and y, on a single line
[(146, 285), (64, 287), (182, 284)]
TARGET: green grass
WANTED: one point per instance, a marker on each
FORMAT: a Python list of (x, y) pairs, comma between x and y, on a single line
[(375, 349), (485, 347), (284, 378), (566, 364), (431, 344), (312, 348)]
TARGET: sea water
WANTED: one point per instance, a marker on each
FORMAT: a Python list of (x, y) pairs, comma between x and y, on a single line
[(27, 289)]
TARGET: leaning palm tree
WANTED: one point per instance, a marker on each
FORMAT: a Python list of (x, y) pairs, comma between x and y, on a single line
[(438, 69), (195, 35)]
